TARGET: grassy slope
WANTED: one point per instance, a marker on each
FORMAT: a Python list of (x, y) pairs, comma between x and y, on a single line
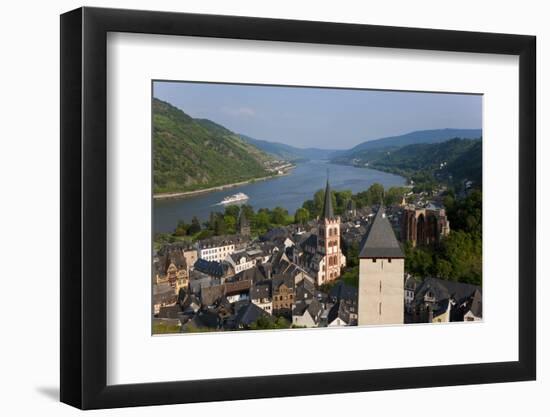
[(191, 154)]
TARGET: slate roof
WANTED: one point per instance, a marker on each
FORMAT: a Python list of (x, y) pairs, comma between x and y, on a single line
[(328, 211), (260, 290), (236, 256), (342, 291), (309, 241), (339, 310), (209, 295), (254, 274), (218, 241), (208, 319), (280, 279), (314, 308), (381, 241), (475, 304), (300, 308), (274, 233), (190, 304), (442, 289), (305, 290), (213, 268), (248, 315)]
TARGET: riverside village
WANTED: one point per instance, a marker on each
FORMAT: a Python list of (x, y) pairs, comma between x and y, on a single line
[(386, 262)]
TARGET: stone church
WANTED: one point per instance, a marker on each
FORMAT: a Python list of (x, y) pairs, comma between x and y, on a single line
[(323, 248), (424, 226)]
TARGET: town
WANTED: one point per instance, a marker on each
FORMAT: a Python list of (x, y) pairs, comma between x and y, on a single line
[(292, 276)]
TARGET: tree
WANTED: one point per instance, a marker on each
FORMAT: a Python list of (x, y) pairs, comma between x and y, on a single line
[(352, 254), (247, 211), (462, 251), (465, 214), (230, 224), (195, 226), (219, 225), (278, 216), (268, 322), (394, 195), (232, 211), (350, 276), (375, 193), (301, 216), (418, 261), (261, 221), (341, 198), (181, 229), (309, 205)]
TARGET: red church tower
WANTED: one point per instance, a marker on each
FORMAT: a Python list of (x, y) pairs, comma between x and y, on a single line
[(328, 241)]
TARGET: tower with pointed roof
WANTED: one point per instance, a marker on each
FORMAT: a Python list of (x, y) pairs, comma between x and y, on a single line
[(244, 224), (331, 258), (381, 275)]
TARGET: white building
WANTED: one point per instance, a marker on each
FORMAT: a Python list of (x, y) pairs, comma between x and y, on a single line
[(241, 261), (219, 247)]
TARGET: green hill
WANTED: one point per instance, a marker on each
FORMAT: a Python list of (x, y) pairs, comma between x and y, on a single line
[(373, 149), (192, 154), (455, 160)]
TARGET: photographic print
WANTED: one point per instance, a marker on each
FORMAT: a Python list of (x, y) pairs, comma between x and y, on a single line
[(278, 207)]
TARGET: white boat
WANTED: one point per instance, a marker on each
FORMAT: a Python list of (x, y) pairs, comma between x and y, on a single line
[(235, 198)]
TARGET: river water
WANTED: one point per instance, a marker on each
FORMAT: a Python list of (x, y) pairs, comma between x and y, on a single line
[(289, 191)]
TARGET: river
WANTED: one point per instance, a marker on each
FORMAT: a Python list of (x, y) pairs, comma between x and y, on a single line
[(288, 191)]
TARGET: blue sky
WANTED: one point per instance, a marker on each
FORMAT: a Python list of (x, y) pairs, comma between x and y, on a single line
[(320, 117)]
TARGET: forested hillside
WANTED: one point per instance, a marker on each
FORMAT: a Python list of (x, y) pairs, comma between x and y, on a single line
[(191, 154)]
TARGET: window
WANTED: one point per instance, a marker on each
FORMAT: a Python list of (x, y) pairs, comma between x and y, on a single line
[(389, 260), (380, 286), (379, 309), (373, 260)]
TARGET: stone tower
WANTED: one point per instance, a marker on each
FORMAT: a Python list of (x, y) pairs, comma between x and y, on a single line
[(244, 224), (381, 275), (328, 241)]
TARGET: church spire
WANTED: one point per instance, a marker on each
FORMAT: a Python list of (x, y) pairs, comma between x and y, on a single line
[(328, 211)]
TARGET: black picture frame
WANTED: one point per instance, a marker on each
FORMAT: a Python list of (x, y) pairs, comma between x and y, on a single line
[(84, 207)]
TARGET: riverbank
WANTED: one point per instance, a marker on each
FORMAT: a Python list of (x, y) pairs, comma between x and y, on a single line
[(185, 194)]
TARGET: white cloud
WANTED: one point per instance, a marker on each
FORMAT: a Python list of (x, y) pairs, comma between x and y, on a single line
[(239, 111)]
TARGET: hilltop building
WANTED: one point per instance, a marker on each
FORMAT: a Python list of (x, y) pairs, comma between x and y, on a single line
[(381, 275)]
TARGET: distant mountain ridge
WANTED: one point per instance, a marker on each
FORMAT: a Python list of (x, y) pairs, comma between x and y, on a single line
[(453, 161), (418, 136), (191, 154), (291, 153)]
